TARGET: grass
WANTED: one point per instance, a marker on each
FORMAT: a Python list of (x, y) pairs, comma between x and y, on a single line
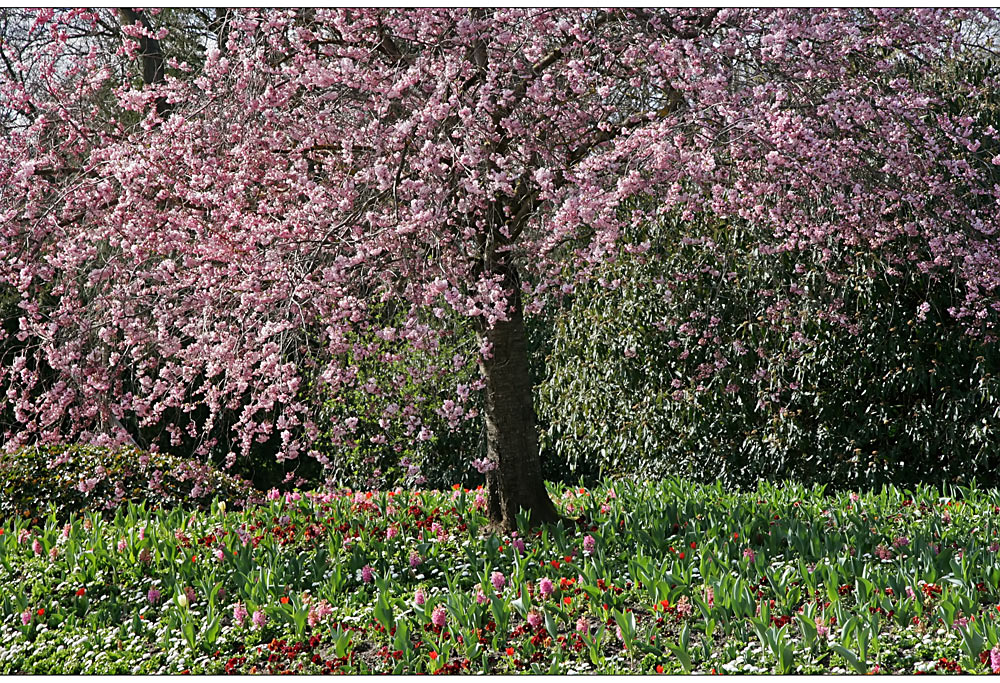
[(661, 577)]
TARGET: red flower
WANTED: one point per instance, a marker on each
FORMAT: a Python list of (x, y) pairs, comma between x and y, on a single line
[(567, 600), (659, 668), (284, 601), (510, 651), (680, 555), (434, 655), (555, 563), (194, 558), (693, 545), (41, 611), (80, 592)]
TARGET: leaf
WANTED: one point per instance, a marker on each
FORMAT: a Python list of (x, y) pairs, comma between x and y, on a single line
[(550, 625), (383, 613), (808, 628), (849, 657), (682, 656)]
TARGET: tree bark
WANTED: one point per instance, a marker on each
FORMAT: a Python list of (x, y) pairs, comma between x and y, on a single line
[(151, 55), (511, 439)]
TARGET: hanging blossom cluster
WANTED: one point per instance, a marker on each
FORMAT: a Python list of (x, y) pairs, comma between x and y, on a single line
[(207, 265)]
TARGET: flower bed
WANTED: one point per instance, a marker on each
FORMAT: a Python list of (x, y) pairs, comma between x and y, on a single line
[(663, 577)]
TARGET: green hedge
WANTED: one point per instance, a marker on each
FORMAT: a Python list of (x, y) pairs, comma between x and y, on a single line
[(891, 392), (85, 478)]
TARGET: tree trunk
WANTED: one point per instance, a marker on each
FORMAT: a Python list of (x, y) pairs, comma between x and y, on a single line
[(511, 440), (151, 54)]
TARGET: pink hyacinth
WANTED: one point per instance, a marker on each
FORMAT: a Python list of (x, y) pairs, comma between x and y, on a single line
[(481, 598), (900, 542), (391, 533), (439, 617), (67, 529), (750, 555), (145, 556), (23, 537), (415, 559), (534, 619), (518, 545), (219, 555), (153, 596), (190, 594), (36, 547), (546, 586), (26, 617), (910, 593), (821, 630), (259, 619), (498, 580), (367, 575), (995, 659), (589, 544), (319, 612), (54, 553), (239, 613), (122, 544), (418, 597), (583, 625)]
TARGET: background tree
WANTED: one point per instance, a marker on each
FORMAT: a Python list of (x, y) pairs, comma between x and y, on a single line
[(251, 227)]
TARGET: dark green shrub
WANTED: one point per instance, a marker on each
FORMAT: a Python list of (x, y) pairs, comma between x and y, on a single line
[(715, 360), (398, 387), (85, 478)]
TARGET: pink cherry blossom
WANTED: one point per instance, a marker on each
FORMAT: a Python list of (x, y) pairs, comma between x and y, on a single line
[(178, 251)]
